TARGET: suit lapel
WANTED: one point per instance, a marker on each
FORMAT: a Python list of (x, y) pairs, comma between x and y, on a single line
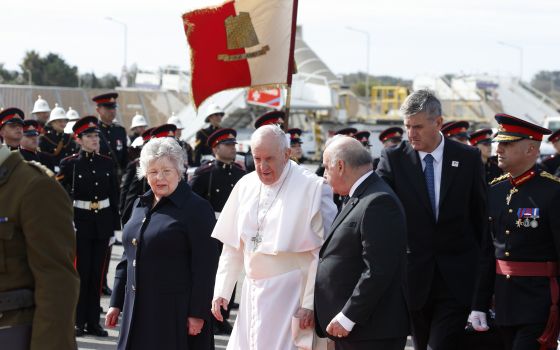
[(448, 171), (412, 165)]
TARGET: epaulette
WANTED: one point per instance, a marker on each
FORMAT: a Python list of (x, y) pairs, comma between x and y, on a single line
[(104, 156), (204, 168), (238, 166), (549, 176), (499, 179), (70, 157), (41, 168)]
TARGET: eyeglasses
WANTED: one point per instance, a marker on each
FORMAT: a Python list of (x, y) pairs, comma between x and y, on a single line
[(165, 173)]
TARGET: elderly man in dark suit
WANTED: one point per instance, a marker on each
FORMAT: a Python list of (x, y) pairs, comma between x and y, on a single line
[(440, 183), (359, 297)]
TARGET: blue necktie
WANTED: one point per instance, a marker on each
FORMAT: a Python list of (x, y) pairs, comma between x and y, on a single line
[(429, 175)]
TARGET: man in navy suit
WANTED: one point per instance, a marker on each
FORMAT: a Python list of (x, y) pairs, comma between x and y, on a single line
[(359, 296), (440, 183)]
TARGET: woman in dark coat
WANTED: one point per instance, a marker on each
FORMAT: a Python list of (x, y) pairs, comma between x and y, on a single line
[(165, 279)]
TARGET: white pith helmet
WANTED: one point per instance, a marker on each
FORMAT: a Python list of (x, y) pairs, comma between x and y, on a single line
[(72, 114), (175, 121), (40, 105), (57, 113), (138, 120)]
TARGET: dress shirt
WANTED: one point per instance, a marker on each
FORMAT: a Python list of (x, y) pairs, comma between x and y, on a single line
[(438, 161)]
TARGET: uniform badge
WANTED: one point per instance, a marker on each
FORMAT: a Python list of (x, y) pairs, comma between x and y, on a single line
[(119, 145), (527, 217)]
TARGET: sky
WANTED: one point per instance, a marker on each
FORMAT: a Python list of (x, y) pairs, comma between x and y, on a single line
[(408, 37)]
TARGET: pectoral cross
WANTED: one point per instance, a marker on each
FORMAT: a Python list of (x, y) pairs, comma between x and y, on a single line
[(256, 239)]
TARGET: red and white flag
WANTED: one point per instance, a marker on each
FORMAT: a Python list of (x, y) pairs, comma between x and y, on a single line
[(240, 43)]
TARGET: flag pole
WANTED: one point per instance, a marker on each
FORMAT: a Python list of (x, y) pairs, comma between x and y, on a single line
[(291, 65)]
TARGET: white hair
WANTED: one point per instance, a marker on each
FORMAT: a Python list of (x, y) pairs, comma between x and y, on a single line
[(270, 131), (165, 147), (349, 150)]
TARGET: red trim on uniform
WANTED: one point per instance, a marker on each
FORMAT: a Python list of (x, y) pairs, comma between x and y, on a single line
[(555, 138), (522, 130), (6, 119), (146, 138), (391, 135), (221, 138), (270, 121), (167, 133), (455, 131), (521, 179), (475, 140), (83, 128), (105, 100)]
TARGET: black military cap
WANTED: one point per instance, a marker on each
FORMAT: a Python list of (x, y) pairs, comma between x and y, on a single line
[(555, 136), (456, 129), (514, 129), (274, 117), (225, 135), (481, 136), (11, 116), (147, 135), (363, 137), (165, 130), (86, 125), (347, 131), (394, 132), (295, 136), (31, 127), (107, 100)]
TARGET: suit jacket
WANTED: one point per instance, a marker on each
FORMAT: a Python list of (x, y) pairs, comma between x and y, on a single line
[(452, 243), (362, 264)]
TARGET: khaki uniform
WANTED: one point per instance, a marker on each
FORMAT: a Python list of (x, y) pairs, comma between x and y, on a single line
[(37, 250)]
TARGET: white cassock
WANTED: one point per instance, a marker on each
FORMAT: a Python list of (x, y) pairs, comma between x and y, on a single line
[(280, 269)]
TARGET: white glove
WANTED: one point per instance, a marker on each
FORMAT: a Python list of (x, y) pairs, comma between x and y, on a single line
[(478, 321)]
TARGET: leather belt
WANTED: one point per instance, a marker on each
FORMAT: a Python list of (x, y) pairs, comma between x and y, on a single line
[(92, 205), (16, 299), (539, 269)]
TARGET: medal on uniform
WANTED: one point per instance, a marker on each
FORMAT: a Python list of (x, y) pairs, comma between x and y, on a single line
[(526, 223), (528, 217), (119, 145)]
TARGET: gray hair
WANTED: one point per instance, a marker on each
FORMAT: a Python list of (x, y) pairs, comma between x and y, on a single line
[(165, 147), (421, 101), (349, 150), (270, 131)]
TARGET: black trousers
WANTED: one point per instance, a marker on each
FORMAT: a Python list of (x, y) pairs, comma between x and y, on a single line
[(523, 337), (377, 344), (90, 257), (440, 323)]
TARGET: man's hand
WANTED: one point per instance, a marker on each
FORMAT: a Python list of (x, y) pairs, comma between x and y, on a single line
[(478, 321), (336, 330), (112, 317), (194, 325), (306, 319), (216, 305)]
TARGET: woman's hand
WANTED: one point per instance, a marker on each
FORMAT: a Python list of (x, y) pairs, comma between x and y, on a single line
[(112, 317), (216, 305), (194, 325)]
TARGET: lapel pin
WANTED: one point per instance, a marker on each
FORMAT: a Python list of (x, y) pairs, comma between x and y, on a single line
[(455, 164)]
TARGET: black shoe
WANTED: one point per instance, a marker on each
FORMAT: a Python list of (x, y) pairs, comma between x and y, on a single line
[(106, 291), (233, 306), (79, 331), (223, 328), (97, 330)]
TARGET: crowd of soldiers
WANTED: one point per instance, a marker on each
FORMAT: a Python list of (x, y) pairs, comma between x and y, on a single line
[(96, 162)]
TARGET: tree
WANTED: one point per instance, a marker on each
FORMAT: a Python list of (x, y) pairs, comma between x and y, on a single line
[(90, 80), (8, 76), (548, 82), (50, 70)]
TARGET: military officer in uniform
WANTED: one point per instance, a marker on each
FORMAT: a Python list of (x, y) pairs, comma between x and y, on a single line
[(55, 141), (112, 137), (29, 145), (38, 282), (41, 112), (522, 264), (457, 131), (214, 182), (552, 162), (389, 137), (90, 180), (363, 137), (295, 145), (137, 126), (482, 139), (321, 169), (11, 127), (214, 115), (272, 117)]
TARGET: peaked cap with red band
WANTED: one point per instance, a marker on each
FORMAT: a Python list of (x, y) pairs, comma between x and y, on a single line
[(457, 129), (391, 133), (225, 135), (514, 129), (480, 136), (165, 130), (555, 136), (147, 135), (31, 127), (347, 131), (363, 137), (273, 117), (86, 125), (106, 100), (11, 116), (295, 136)]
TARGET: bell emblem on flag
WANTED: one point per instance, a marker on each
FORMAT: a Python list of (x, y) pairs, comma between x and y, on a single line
[(241, 34)]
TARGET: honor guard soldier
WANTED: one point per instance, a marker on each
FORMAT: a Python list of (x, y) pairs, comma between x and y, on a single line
[(273, 117), (29, 145), (112, 136), (295, 145), (522, 264), (482, 139), (137, 126), (72, 116), (189, 152), (11, 127), (390, 137), (321, 169), (214, 182), (457, 131), (552, 162), (214, 115), (38, 282), (41, 112), (90, 180), (363, 137), (55, 141)]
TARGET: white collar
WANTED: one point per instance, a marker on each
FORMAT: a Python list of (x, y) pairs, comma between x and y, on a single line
[(437, 153), (359, 182)]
